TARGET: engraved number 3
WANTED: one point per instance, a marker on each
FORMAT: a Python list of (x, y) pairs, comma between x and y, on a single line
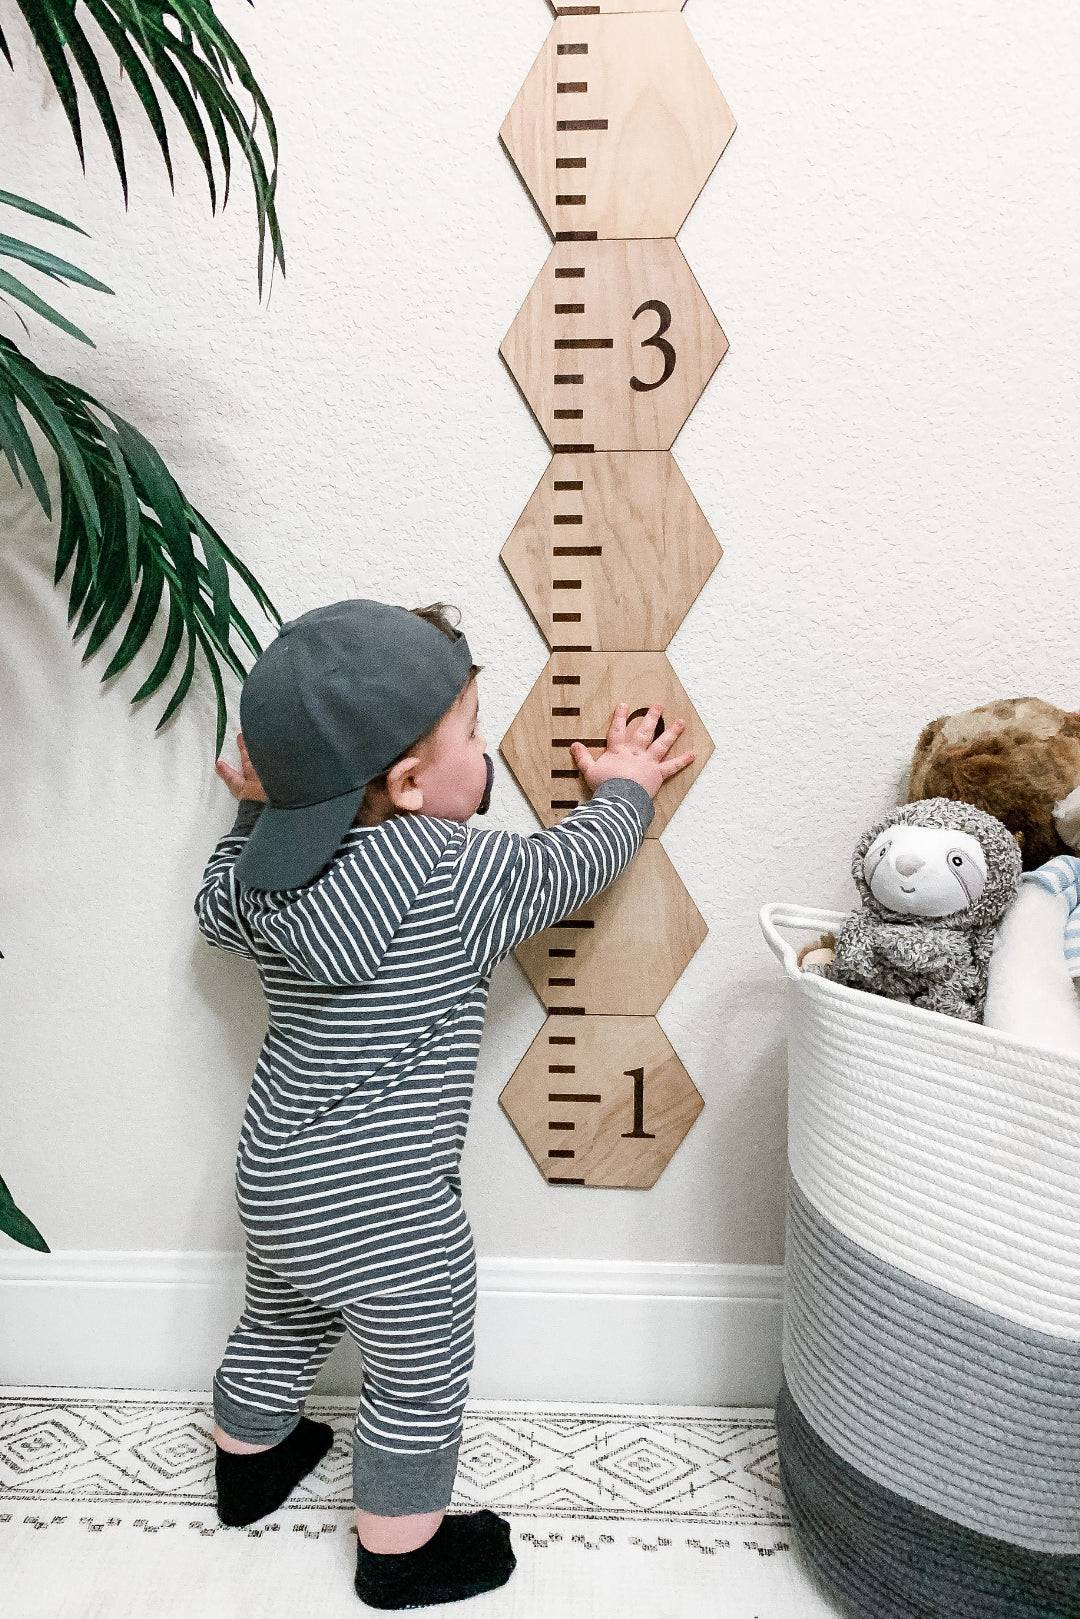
[(656, 341)]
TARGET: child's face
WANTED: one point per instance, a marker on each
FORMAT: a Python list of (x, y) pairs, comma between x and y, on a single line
[(452, 773)]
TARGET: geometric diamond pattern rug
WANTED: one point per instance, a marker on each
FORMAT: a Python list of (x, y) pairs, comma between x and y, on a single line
[(538, 1462), (617, 1510)]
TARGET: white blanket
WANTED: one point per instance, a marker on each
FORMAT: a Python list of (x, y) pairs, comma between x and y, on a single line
[(1031, 993)]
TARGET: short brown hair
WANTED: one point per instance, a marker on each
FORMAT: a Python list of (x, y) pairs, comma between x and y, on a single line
[(438, 614)]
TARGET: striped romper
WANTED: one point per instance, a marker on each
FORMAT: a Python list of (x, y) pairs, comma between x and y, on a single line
[(347, 1171)]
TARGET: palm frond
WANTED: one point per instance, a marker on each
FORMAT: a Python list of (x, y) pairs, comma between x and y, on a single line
[(47, 264), (183, 47), (18, 1225), (128, 534)]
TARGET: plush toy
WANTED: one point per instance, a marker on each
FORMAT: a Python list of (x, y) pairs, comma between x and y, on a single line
[(1032, 989), (1018, 759), (936, 878)]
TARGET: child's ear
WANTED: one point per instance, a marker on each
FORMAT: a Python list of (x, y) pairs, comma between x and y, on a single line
[(401, 785)]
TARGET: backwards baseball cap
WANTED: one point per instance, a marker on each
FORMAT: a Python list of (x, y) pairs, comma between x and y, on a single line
[(339, 695)]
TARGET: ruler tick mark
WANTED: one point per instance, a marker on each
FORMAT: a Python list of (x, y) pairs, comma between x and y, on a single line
[(567, 272), (572, 87), (567, 517), (570, 199), (571, 163), (584, 342), (569, 309), (568, 379), (568, 483), (577, 550), (575, 49), (568, 124), (572, 1096)]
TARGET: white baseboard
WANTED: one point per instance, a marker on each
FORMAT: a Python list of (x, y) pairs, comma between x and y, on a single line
[(547, 1329)]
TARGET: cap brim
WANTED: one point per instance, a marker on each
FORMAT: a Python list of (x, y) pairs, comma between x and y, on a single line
[(288, 847)]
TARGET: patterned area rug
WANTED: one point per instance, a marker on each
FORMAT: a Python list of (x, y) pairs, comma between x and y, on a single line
[(107, 1508)]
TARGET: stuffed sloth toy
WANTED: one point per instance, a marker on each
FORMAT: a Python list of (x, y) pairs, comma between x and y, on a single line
[(936, 878)]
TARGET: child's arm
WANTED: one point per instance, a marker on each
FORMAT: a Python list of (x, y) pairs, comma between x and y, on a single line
[(509, 887), (218, 914), (216, 907)]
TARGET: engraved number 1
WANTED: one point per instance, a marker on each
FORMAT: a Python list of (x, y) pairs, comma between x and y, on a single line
[(639, 1132)]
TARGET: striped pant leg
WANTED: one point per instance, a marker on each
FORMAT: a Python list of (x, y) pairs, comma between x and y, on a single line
[(417, 1343), (272, 1357)]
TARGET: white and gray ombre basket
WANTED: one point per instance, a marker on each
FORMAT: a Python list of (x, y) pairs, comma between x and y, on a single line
[(929, 1420)]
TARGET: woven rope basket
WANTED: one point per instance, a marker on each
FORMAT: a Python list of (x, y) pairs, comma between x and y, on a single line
[(929, 1418)]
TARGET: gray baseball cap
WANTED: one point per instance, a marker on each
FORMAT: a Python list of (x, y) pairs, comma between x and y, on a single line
[(338, 696)]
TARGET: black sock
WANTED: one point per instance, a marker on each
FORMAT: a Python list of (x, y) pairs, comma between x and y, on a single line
[(248, 1487), (469, 1552)]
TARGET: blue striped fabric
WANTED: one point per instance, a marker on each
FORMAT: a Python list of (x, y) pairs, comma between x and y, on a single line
[(1062, 876), (376, 980)]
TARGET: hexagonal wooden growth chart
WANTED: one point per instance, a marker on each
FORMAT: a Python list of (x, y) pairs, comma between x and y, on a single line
[(614, 132), (618, 125), (610, 552)]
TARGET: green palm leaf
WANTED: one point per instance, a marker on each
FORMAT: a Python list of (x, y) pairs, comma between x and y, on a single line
[(18, 1225), (182, 47), (128, 535)]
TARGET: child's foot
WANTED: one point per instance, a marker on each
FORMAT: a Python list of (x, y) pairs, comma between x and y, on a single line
[(469, 1553), (250, 1486)]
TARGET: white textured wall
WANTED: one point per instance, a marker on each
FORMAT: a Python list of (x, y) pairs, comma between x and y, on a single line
[(888, 455)]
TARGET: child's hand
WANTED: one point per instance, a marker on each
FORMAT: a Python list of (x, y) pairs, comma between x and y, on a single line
[(242, 783), (636, 753)]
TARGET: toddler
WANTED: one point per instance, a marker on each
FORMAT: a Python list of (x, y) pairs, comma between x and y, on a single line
[(375, 914)]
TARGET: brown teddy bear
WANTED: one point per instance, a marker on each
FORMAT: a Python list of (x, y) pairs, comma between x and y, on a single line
[(1018, 759)]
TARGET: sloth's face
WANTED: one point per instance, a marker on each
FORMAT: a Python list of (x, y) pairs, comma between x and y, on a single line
[(925, 870)]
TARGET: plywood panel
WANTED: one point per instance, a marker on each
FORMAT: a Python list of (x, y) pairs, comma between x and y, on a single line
[(622, 952), (611, 551), (618, 125), (601, 1101), (573, 700), (609, 6), (614, 345)]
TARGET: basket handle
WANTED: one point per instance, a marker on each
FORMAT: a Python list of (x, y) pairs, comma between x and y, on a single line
[(801, 918)]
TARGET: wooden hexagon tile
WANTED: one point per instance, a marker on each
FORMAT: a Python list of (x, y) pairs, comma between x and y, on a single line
[(572, 701), (610, 552), (613, 346), (622, 952), (604, 7), (618, 125), (601, 1101), (614, 132)]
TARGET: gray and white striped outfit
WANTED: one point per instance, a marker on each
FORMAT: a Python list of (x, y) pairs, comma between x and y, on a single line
[(347, 1171)]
